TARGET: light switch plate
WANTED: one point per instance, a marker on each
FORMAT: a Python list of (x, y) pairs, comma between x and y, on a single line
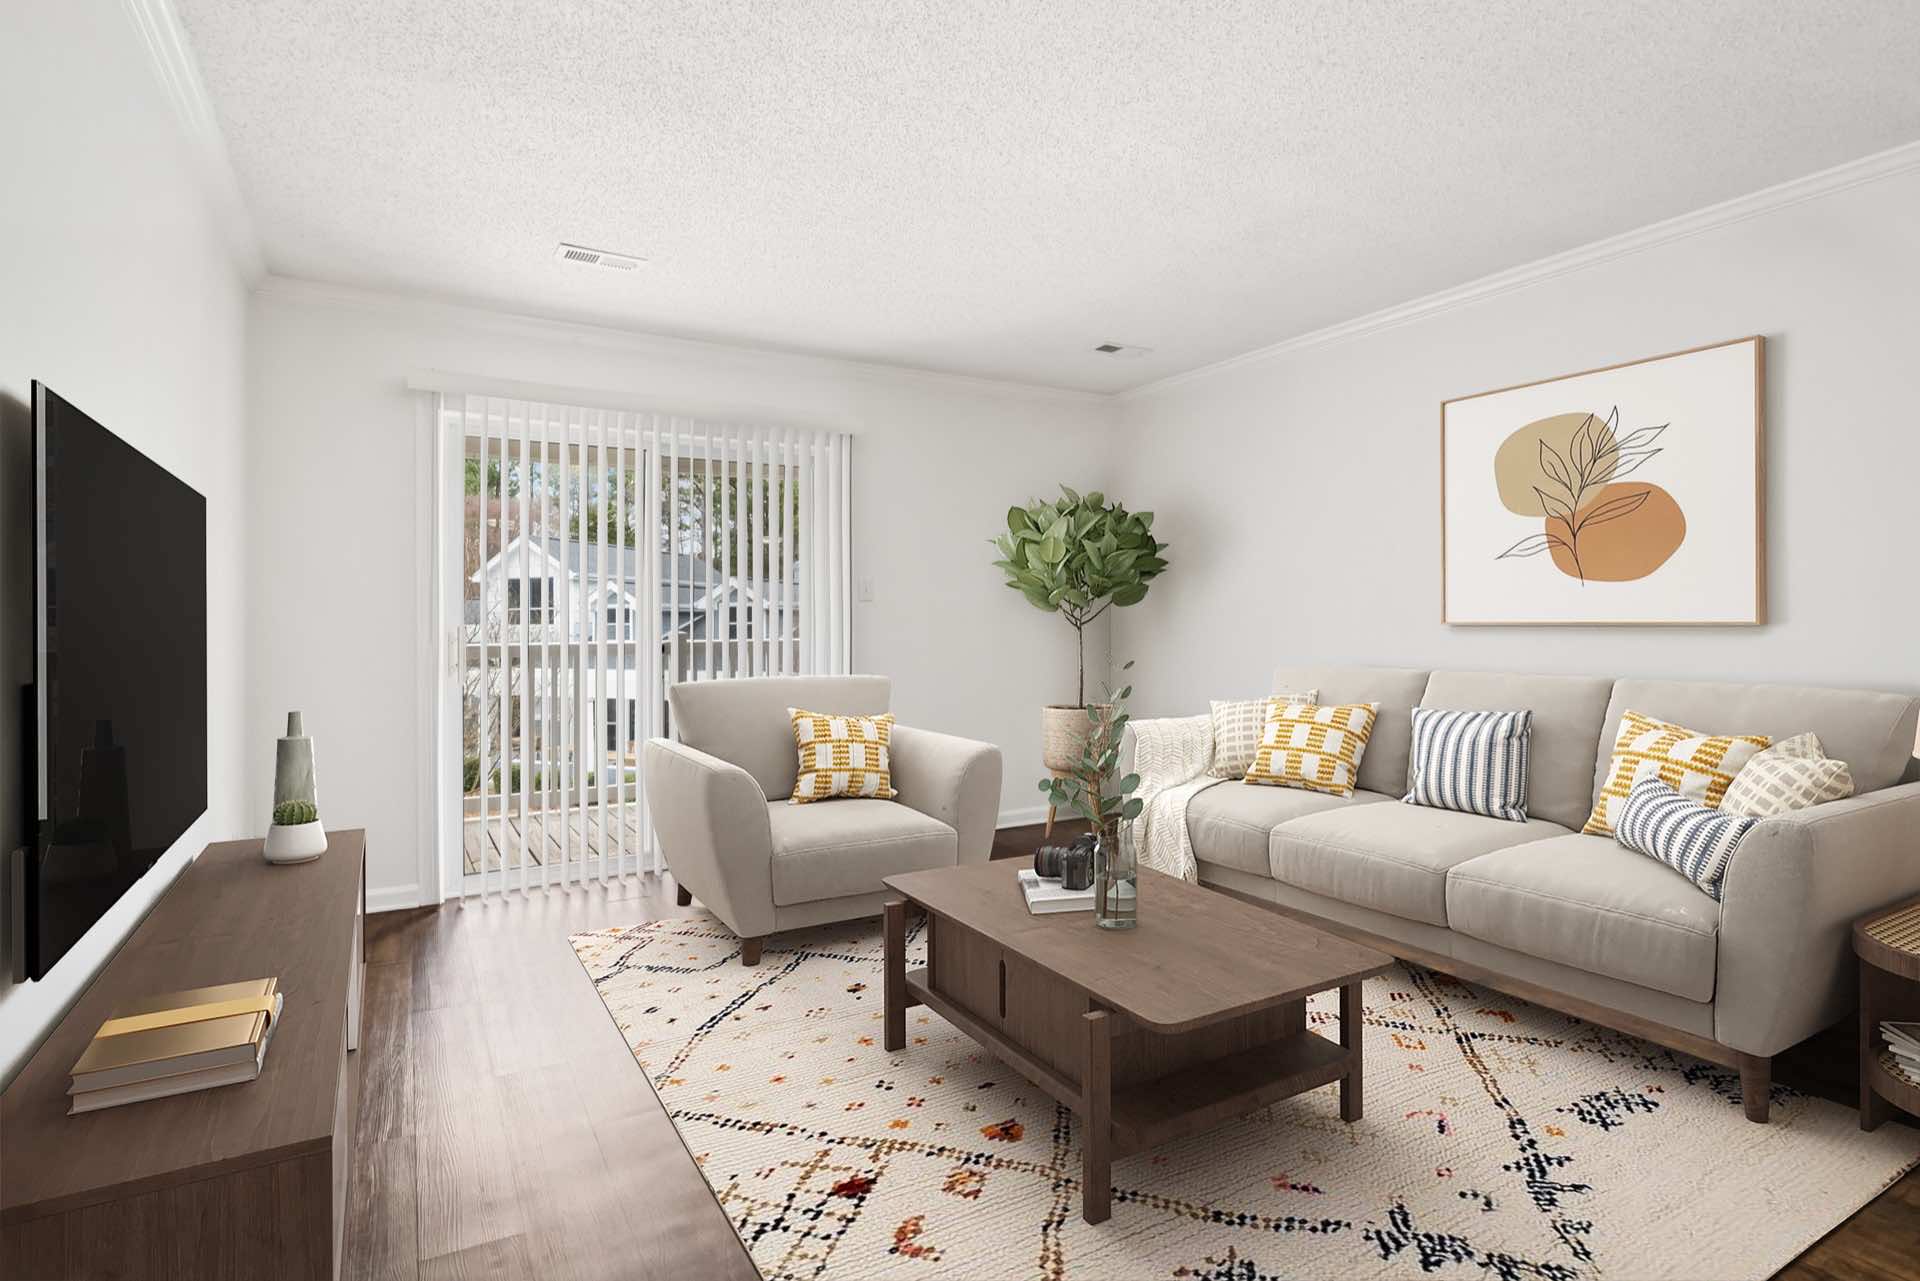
[(866, 588)]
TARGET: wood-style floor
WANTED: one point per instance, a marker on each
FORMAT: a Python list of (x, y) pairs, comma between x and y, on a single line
[(503, 1130)]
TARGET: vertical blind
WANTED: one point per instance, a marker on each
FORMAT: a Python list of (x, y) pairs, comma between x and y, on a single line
[(608, 554)]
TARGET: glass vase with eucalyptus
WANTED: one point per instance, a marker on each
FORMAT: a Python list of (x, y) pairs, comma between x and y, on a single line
[(1096, 791)]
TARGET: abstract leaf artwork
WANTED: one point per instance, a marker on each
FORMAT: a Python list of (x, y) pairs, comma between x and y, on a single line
[(1569, 469), (1622, 495)]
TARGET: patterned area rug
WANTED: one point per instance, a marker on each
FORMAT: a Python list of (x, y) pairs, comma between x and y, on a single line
[(1500, 1139)]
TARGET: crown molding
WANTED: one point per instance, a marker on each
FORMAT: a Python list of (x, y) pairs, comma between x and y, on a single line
[(1885, 164), (174, 66), (275, 288)]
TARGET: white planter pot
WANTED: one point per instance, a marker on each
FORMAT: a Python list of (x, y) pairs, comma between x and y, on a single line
[(295, 842)]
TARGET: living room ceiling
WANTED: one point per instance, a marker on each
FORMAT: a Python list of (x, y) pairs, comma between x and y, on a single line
[(994, 189)]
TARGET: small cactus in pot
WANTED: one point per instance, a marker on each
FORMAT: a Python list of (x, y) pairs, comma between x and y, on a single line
[(296, 835)]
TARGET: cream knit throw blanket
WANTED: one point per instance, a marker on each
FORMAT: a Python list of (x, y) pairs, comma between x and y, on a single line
[(1171, 756)]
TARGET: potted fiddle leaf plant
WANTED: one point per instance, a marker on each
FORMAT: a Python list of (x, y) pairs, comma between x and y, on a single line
[(1089, 788), (1077, 556)]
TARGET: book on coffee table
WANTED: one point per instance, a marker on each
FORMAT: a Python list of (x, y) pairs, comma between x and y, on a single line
[(1044, 896), (1902, 1037)]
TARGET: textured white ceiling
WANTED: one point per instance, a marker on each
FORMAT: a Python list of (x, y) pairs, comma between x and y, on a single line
[(993, 188)]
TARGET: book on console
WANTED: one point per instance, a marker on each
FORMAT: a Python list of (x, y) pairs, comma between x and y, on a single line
[(1044, 897), (172, 1034), (161, 1087)]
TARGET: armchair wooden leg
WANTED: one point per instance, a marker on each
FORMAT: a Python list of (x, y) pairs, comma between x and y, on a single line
[(682, 895), (1756, 1086), (750, 950)]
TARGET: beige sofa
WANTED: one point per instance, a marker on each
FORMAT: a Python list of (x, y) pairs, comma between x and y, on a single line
[(1577, 922), (718, 798)]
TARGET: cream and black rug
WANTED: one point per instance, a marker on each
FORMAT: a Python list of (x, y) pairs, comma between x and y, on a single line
[(1500, 1140)]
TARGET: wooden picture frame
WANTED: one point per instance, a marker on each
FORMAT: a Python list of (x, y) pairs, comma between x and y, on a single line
[(1546, 519)]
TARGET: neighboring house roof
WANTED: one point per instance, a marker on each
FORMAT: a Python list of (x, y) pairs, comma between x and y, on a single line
[(621, 563), (683, 578)]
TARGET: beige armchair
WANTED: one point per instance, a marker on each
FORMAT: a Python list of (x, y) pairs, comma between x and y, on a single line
[(718, 798)]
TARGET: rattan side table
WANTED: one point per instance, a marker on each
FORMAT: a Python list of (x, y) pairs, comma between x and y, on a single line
[(1888, 945)]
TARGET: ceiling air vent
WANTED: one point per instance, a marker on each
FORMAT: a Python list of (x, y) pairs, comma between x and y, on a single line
[(582, 256), (1121, 351)]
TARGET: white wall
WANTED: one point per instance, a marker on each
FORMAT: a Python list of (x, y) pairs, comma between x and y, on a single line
[(336, 542), (1301, 492), (119, 293)]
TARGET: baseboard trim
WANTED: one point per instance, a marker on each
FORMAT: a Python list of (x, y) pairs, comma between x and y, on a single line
[(1023, 817), (392, 898)]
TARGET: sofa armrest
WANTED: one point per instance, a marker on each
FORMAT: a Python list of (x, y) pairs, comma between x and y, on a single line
[(711, 818), (955, 780), (1796, 885)]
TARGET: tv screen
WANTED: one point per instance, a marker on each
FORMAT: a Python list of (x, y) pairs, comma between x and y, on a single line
[(120, 678)]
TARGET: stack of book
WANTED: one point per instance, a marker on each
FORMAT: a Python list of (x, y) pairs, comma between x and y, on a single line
[(1903, 1041), (177, 1042), (1046, 896)]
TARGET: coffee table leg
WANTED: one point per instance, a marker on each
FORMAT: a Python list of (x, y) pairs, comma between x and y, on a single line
[(1350, 1041), (1874, 1110), (894, 914), (1096, 1160)]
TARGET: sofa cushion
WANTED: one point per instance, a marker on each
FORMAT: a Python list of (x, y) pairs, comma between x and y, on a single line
[(1872, 733), (1473, 762), (1392, 858), (833, 851), (1567, 713), (1584, 901), (1232, 823), (1396, 689), (1315, 748), (743, 720), (1699, 766)]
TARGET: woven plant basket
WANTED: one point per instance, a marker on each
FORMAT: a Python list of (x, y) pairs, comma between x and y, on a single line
[(1064, 733)]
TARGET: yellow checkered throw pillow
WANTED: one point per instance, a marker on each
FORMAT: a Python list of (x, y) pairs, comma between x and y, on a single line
[(1698, 766), (1312, 747), (841, 756)]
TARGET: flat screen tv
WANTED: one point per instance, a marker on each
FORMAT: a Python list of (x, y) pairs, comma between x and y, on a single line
[(119, 706)]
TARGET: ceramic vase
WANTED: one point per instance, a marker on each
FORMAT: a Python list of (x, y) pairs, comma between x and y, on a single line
[(296, 835)]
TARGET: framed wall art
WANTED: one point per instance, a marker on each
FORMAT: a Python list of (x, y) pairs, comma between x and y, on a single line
[(1626, 495)]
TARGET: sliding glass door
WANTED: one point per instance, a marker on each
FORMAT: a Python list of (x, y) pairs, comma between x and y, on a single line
[(602, 556)]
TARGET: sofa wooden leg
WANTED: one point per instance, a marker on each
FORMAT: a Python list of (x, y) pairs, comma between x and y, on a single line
[(1756, 1085), (750, 950), (682, 895)]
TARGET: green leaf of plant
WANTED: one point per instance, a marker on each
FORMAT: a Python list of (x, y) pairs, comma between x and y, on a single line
[(1132, 809), (1131, 594), (1017, 519)]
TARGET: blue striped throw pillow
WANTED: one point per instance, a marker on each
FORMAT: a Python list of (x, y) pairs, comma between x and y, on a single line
[(1475, 762), (1693, 839)]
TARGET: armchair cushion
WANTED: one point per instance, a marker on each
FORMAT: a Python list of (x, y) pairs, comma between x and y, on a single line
[(844, 849), (841, 756), (744, 720)]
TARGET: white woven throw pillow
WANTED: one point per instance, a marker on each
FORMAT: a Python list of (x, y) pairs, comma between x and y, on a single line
[(1794, 774), (1237, 726)]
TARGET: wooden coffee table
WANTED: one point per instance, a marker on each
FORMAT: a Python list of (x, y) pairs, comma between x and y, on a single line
[(1194, 1018)]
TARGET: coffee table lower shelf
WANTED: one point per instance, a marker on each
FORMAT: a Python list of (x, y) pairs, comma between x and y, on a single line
[(1121, 1119)]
